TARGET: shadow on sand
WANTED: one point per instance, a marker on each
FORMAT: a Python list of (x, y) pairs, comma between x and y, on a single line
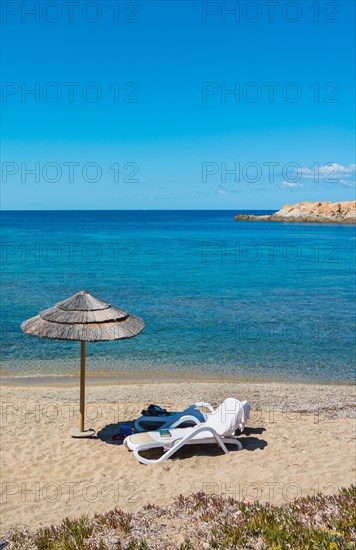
[(110, 433)]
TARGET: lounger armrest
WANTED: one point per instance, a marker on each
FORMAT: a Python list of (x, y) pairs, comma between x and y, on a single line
[(220, 439), (197, 430), (206, 405), (203, 428), (185, 418)]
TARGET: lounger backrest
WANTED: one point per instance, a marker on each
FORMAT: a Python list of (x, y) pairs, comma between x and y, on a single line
[(227, 417)]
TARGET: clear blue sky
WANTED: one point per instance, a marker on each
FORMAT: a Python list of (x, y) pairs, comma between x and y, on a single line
[(163, 128)]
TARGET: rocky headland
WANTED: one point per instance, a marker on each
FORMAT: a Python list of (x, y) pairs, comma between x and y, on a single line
[(311, 212)]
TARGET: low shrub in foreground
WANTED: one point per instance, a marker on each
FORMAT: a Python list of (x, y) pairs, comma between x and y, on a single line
[(202, 521)]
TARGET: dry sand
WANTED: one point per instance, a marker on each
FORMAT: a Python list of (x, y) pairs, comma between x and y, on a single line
[(300, 440)]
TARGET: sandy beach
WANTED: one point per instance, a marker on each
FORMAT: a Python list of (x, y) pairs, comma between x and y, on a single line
[(300, 440)]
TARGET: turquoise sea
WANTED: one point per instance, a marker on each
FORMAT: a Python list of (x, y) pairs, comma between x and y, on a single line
[(219, 297)]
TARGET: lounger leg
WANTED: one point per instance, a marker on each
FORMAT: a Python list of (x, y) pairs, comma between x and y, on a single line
[(221, 443), (233, 441)]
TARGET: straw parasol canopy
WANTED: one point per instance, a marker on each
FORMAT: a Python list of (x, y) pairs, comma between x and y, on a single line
[(86, 318)]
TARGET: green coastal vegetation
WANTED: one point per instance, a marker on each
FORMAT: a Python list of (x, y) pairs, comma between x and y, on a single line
[(208, 522)]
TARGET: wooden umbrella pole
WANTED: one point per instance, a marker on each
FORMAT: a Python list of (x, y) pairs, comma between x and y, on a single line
[(82, 432), (82, 387)]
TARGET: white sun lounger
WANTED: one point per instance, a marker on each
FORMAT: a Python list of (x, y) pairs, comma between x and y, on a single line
[(192, 414), (219, 428)]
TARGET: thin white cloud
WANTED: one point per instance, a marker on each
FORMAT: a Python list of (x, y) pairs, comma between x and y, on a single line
[(291, 185), (348, 183), (224, 190), (331, 173)]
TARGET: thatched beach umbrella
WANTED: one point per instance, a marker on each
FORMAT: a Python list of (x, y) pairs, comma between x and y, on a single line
[(85, 318)]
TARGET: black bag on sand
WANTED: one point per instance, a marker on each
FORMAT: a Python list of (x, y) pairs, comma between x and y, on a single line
[(154, 410)]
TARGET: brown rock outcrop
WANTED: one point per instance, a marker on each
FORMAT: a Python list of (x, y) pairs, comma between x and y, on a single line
[(311, 212)]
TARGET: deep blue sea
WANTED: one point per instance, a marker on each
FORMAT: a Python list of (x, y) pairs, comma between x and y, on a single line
[(219, 297)]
